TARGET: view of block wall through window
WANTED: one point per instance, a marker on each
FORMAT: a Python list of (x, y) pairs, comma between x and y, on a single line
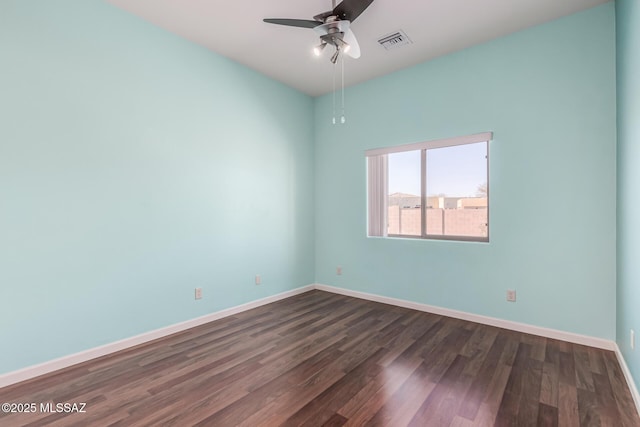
[(453, 222), (438, 190)]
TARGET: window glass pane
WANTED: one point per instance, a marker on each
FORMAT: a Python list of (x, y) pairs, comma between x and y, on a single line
[(457, 203), (404, 216)]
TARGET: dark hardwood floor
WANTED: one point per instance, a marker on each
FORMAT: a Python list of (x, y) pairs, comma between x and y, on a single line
[(320, 359)]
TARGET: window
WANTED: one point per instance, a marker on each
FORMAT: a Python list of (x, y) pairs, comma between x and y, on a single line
[(430, 190)]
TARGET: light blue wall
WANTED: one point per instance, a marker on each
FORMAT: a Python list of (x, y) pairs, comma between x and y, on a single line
[(548, 94), (628, 79), (134, 167)]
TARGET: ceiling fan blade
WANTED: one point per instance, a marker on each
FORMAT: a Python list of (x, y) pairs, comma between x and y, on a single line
[(354, 47), (351, 9), (302, 23)]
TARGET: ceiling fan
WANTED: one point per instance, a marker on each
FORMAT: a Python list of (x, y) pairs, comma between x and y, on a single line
[(333, 27)]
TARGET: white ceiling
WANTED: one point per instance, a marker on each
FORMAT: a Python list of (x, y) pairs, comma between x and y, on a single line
[(436, 27)]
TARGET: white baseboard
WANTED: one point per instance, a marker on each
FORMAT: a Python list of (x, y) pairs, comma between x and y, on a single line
[(485, 320), (103, 350), (627, 375), (73, 359)]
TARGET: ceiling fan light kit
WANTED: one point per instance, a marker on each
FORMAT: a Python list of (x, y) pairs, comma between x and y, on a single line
[(318, 49)]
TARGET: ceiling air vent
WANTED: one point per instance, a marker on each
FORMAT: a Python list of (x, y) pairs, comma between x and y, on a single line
[(394, 40)]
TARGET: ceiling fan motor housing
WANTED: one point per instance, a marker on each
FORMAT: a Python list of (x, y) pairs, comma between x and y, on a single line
[(333, 32)]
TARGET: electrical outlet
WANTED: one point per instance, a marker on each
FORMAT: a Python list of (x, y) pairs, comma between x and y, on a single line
[(511, 295), (198, 293), (339, 271), (632, 339), (258, 279)]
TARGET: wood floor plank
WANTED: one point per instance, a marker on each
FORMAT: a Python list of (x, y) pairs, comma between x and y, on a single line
[(529, 404), (477, 348), (515, 388), (596, 361), (459, 421), (628, 416), (488, 410), (566, 368), (537, 344), (587, 408), (442, 404), (479, 389), (318, 369), (336, 420), (605, 398), (325, 359), (402, 405), (552, 352), (584, 379), (327, 403), (547, 416), (511, 348), (568, 414), (374, 395)]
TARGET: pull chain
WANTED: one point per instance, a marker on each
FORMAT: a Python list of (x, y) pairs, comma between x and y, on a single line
[(343, 119), (334, 94)]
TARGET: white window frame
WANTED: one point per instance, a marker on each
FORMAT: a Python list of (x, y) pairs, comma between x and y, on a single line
[(377, 185)]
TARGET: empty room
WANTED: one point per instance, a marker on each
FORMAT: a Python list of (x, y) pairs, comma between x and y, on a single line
[(319, 213)]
